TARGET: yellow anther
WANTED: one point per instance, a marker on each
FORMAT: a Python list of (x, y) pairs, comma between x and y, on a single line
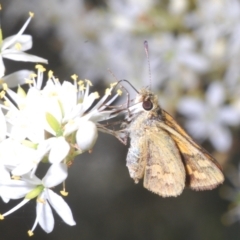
[(5, 86), (30, 233), (82, 87), (1, 217), (33, 75), (40, 200), (2, 94), (113, 84), (64, 193), (28, 81), (18, 46), (15, 177), (108, 91), (88, 82), (50, 73), (119, 92), (96, 95), (31, 14), (40, 68), (6, 103), (74, 77)]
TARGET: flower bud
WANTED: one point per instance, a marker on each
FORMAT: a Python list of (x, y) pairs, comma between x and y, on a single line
[(86, 135)]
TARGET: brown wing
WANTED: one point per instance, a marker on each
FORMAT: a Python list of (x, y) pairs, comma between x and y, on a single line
[(155, 156), (203, 171), (164, 173)]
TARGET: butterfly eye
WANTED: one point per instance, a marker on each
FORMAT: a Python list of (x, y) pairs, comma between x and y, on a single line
[(147, 105)]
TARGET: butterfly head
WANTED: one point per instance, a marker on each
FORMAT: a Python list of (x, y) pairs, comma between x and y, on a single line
[(148, 100), (145, 102)]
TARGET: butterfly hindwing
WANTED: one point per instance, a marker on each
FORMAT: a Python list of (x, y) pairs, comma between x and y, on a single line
[(164, 173)]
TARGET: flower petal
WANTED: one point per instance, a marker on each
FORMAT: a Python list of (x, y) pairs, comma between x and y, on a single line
[(3, 124), (2, 67), (31, 179), (197, 128), (87, 135), (24, 40), (23, 168), (221, 138), (61, 207), (22, 56), (4, 174), (16, 78), (15, 189), (229, 115), (45, 216), (59, 150), (55, 175), (191, 107), (215, 94), (194, 61)]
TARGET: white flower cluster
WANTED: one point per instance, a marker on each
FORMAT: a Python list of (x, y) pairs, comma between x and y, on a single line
[(61, 112), (49, 124)]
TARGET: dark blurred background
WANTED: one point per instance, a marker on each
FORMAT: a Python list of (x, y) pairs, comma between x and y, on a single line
[(87, 38)]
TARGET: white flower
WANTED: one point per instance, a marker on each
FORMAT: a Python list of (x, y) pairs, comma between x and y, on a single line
[(209, 118), (32, 187), (13, 48)]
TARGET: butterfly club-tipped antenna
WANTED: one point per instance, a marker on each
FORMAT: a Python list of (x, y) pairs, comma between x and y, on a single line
[(148, 60)]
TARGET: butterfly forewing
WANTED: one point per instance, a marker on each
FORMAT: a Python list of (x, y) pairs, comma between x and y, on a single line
[(203, 172)]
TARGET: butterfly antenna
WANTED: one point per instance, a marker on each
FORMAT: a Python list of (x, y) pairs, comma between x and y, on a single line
[(121, 86), (149, 68), (122, 80)]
